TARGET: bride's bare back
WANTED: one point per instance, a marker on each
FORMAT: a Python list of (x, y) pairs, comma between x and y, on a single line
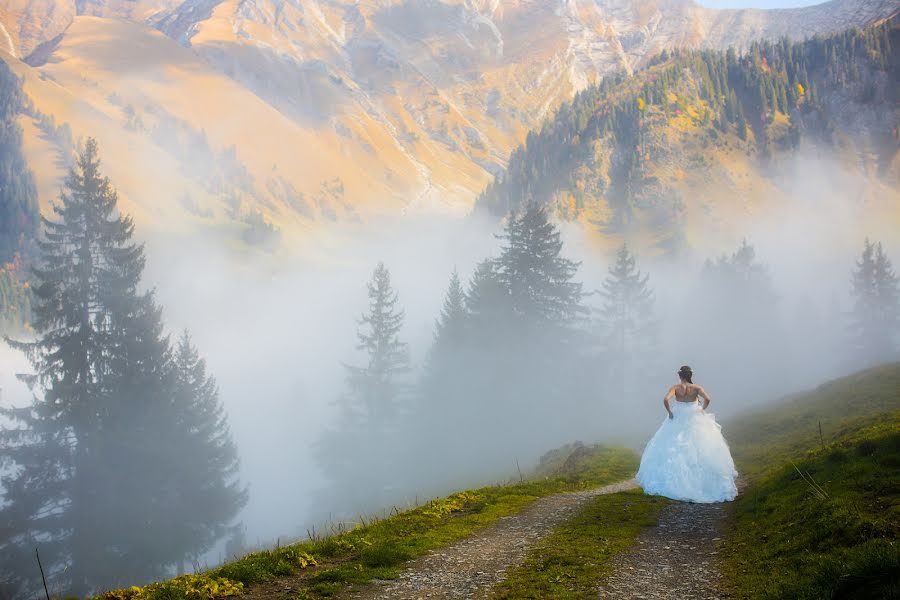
[(686, 391)]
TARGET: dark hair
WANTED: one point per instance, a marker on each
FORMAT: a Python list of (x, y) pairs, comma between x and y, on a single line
[(686, 373)]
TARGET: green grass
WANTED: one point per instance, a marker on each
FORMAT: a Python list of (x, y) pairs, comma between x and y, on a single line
[(572, 562), (380, 549), (787, 540), (769, 435)]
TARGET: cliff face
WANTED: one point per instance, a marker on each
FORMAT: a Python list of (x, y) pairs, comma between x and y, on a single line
[(382, 106)]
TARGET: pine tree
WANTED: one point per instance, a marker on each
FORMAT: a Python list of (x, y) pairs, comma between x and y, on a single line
[(441, 408), (209, 492), (450, 328), (875, 318), (486, 301), (376, 387), (91, 470), (731, 316), (539, 282), (535, 369), (369, 412), (446, 359), (627, 319)]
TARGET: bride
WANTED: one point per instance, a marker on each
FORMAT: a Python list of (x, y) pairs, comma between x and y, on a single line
[(687, 458)]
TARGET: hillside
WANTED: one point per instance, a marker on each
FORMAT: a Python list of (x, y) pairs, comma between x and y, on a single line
[(701, 143), (820, 517), (306, 111), (18, 209), (795, 425)]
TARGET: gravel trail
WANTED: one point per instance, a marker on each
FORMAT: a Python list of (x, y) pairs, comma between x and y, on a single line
[(471, 567), (674, 559)]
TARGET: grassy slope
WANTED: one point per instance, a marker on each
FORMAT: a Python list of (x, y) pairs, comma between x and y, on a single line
[(787, 540), (380, 549)]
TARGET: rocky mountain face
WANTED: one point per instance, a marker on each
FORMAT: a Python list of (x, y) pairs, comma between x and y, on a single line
[(373, 106)]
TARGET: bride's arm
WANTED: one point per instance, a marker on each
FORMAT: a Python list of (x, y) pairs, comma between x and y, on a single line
[(703, 395), (666, 399)]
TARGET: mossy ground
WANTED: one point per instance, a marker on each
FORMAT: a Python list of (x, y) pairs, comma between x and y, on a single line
[(380, 549), (821, 516)]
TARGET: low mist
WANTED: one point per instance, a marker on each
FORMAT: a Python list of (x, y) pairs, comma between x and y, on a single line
[(277, 329)]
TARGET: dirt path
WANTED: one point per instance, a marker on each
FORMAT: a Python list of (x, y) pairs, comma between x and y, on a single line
[(675, 559), (471, 567)]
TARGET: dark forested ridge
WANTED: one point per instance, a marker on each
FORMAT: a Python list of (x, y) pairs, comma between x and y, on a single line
[(19, 216), (621, 150)]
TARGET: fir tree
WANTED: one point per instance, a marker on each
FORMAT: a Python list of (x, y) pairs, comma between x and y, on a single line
[(442, 407), (450, 327), (736, 294), (376, 387), (535, 364), (627, 318), (209, 492), (539, 282), (369, 411), (449, 350), (875, 318), (486, 300)]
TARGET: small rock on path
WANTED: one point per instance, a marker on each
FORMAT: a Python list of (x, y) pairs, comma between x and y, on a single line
[(674, 559), (471, 567)]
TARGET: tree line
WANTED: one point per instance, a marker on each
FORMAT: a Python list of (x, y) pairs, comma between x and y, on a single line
[(19, 218), (523, 356), (737, 94)]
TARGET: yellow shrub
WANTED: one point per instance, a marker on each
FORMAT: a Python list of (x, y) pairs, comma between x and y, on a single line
[(451, 504), (202, 587)]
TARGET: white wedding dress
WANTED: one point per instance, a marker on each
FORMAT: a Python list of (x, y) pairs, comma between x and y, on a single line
[(688, 459)]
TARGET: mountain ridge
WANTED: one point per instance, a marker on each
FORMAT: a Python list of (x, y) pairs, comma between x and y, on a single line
[(374, 108), (702, 134)]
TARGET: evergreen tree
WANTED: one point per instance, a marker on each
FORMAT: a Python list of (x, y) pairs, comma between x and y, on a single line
[(360, 473), (875, 317), (535, 370), (732, 326), (442, 408), (539, 282), (450, 328), (445, 364), (376, 387), (209, 493), (486, 302), (93, 470), (630, 329)]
